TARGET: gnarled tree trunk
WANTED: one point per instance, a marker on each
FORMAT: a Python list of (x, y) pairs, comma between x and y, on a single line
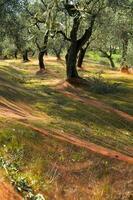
[(71, 59), (109, 57), (42, 52), (76, 45)]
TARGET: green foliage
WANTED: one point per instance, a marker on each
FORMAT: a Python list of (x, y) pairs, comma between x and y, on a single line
[(104, 62), (18, 181), (130, 53), (101, 86), (94, 55)]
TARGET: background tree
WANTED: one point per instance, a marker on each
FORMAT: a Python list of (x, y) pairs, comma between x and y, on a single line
[(105, 37), (57, 46), (123, 26), (42, 16)]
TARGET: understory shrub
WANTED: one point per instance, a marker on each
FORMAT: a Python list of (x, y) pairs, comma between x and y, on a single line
[(101, 86)]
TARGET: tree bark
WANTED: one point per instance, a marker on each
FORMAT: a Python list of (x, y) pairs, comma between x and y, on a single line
[(75, 47), (46, 52), (16, 54), (41, 61), (71, 56), (57, 53), (5, 57), (33, 53), (82, 55), (124, 48), (109, 56), (71, 59), (58, 56), (42, 51), (111, 62), (75, 43), (25, 56)]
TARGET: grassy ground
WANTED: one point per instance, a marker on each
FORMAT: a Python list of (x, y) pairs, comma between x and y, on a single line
[(57, 169)]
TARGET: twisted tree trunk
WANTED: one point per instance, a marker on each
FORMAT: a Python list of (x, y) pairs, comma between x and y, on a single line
[(42, 52), (76, 44), (109, 57), (71, 59)]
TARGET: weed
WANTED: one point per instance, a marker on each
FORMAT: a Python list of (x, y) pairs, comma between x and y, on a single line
[(99, 85), (18, 181)]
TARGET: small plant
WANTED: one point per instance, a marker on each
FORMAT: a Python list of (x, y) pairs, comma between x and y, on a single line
[(19, 79), (18, 181), (104, 62), (103, 191), (101, 86), (39, 197)]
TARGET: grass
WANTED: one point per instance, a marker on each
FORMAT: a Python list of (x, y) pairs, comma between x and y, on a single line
[(97, 57), (38, 156)]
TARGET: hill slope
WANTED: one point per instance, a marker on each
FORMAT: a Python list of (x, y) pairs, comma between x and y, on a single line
[(52, 132)]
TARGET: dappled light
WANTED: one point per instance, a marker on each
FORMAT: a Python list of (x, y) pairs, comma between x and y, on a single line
[(56, 109), (66, 100)]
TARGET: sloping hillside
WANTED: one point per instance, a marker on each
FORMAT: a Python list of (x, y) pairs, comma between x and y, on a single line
[(52, 131)]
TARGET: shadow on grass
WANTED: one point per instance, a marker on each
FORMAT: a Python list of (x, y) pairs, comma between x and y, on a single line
[(71, 116)]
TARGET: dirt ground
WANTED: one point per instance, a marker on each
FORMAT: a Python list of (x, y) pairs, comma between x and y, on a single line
[(7, 192)]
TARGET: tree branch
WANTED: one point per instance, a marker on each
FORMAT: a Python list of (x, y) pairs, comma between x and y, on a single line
[(64, 35), (36, 42), (87, 33)]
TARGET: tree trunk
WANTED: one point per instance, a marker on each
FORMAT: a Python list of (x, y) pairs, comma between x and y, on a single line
[(58, 55), (42, 52), (25, 56), (5, 57), (71, 59), (75, 43), (111, 62), (16, 54), (46, 52), (109, 56), (75, 47), (81, 57), (33, 53), (124, 49), (41, 61)]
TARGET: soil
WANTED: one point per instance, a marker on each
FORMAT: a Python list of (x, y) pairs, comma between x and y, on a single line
[(7, 192)]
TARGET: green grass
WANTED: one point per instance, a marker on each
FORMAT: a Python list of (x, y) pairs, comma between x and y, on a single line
[(36, 155), (97, 58)]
